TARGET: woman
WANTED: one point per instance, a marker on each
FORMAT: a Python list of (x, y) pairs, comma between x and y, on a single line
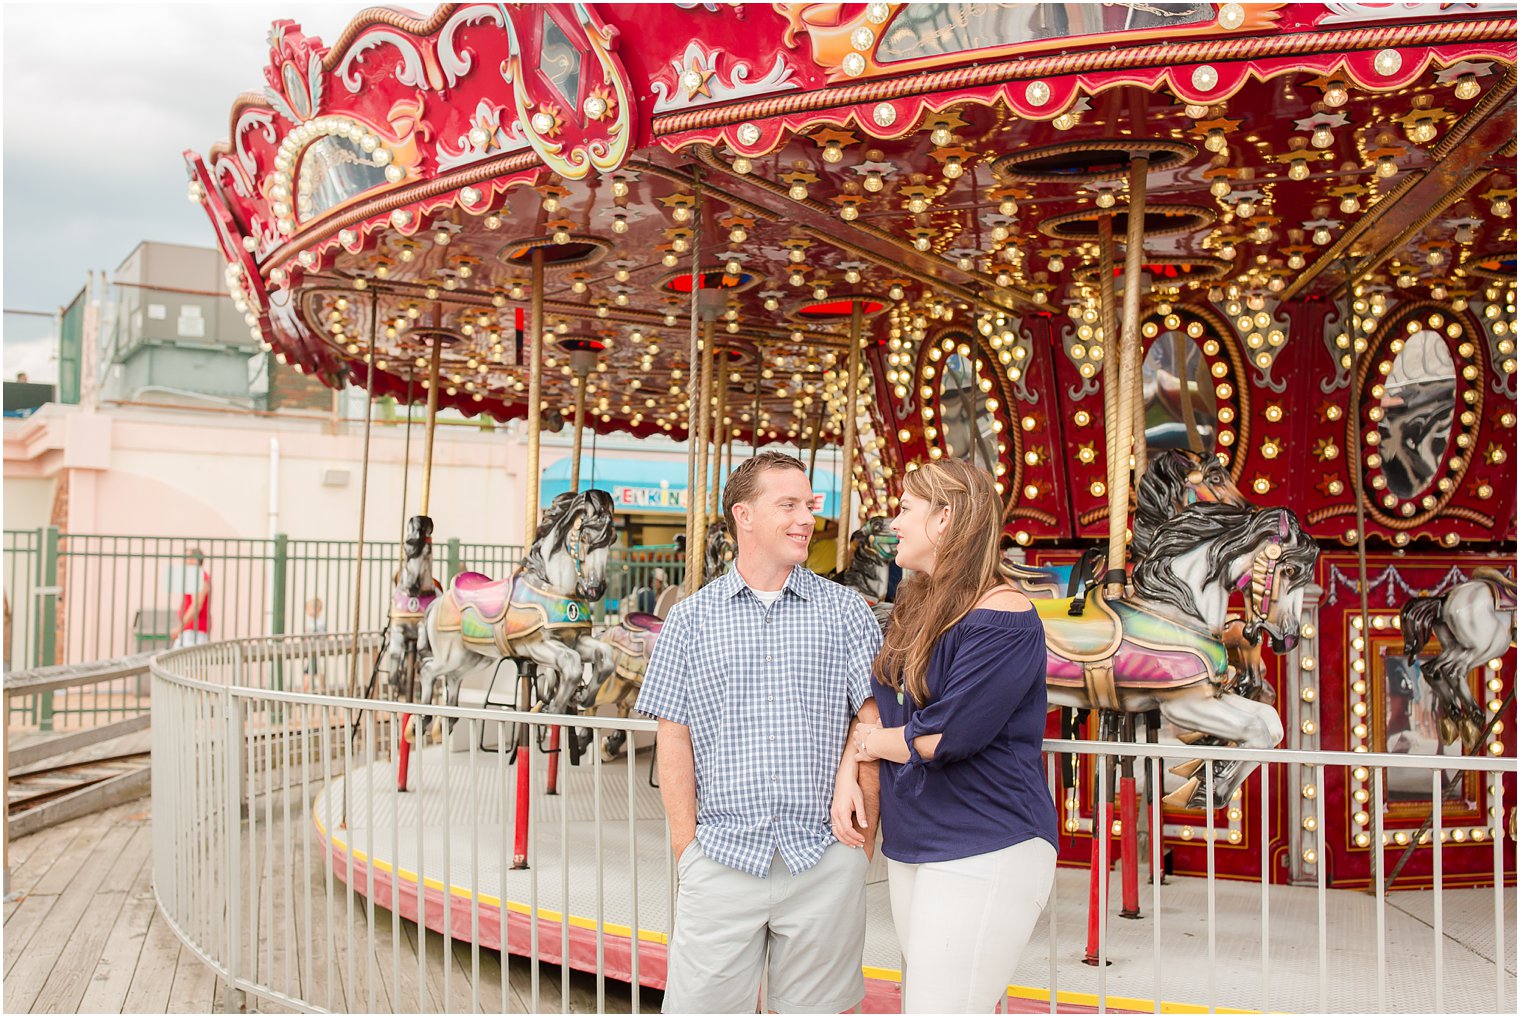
[(969, 827)]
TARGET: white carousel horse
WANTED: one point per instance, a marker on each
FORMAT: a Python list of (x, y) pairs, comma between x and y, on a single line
[(1474, 622), (1164, 647), (415, 591), (541, 613)]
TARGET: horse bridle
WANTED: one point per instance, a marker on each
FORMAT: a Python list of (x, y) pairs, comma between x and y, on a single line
[(1261, 585), (573, 543)]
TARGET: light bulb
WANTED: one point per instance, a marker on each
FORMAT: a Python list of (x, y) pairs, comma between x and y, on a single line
[(895, 293), (798, 192), (1336, 94), (832, 152), (1386, 167), (1056, 263), (1245, 208), (1350, 205), (1298, 169), (796, 255), (1220, 187), (619, 224), (738, 235), (1008, 207), (1064, 122), (551, 203), (820, 292), (1322, 236), (733, 268), (1322, 137), (681, 213), (940, 136), (1105, 199), (917, 205), (953, 168), (873, 182), (1215, 141), (922, 243), (1500, 207), (741, 164), (1467, 87)]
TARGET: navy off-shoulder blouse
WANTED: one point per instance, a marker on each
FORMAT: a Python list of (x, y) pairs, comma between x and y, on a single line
[(984, 789)]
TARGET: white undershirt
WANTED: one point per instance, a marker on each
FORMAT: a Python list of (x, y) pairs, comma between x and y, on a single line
[(767, 597)]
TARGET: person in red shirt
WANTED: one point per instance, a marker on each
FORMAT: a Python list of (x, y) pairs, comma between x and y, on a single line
[(192, 626)]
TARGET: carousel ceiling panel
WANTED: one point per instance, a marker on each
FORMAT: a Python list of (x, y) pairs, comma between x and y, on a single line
[(406, 178)]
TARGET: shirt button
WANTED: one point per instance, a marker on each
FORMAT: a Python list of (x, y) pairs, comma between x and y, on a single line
[(770, 699), (773, 776), (773, 737), (767, 658)]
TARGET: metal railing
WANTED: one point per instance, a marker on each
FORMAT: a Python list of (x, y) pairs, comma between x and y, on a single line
[(75, 598), (285, 859)]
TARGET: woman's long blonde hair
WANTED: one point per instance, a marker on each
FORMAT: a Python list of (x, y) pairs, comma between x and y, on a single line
[(967, 565)]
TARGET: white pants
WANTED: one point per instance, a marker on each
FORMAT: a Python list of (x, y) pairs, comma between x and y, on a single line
[(190, 637), (963, 924)]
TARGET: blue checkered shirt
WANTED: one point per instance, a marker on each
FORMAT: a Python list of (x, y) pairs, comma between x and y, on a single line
[(768, 695)]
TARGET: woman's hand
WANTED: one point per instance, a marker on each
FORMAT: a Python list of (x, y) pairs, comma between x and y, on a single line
[(862, 733), (849, 803)]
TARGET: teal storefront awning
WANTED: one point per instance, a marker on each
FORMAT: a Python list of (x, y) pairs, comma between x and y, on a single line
[(653, 485)]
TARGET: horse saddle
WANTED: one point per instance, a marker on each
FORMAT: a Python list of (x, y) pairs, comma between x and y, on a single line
[(408, 608), (1500, 586), (632, 644), (501, 611), (1118, 643)]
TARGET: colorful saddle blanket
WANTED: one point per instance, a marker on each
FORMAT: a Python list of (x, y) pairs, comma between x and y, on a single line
[(1143, 648), (632, 644), (503, 611), (405, 607)]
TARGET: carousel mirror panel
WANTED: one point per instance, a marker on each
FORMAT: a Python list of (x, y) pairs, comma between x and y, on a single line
[(964, 416), (1422, 404), (1180, 406)]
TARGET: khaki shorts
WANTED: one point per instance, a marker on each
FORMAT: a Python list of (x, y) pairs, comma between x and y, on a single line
[(813, 924)]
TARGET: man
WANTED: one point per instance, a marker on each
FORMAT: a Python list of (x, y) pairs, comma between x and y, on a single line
[(192, 624), (754, 681)]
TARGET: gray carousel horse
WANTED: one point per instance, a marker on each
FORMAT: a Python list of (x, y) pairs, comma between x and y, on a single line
[(415, 591), (632, 639), (873, 547), (541, 613), (1474, 622), (1164, 648)]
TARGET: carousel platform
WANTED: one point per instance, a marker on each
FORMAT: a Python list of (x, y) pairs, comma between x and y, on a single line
[(447, 830)]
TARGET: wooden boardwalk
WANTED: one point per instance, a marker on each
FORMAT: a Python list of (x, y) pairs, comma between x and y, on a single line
[(83, 935)]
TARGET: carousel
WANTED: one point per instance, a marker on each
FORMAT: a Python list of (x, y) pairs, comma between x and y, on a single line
[(1234, 277)]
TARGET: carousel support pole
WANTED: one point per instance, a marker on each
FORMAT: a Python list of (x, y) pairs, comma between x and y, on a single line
[(847, 464), (1129, 373), (1129, 828), (754, 432), (580, 423), (1102, 841), (524, 765), (720, 380), (1109, 317), (700, 431), (435, 363), (530, 516), (694, 522)]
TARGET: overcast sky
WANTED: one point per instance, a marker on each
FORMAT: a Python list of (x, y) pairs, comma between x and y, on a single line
[(99, 102)]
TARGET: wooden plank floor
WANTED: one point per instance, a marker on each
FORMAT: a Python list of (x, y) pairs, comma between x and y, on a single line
[(83, 934)]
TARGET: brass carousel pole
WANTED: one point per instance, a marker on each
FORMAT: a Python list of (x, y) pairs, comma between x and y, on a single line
[(1109, 318), (1129, 362), (701, 428), (579, 379), (535, 395), (369, 406), (847, 463), (432, 419), (694, 506), (754, 432), (720, 380)]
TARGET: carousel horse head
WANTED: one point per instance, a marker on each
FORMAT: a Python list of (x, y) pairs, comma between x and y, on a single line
[(1206, 552), (1174, 480), (875, 536), (419, 533), (718, 550), (570, 552)]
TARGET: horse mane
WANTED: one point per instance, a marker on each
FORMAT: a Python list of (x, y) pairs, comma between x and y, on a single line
[(1230, 532), (561, 511), (1157, 495)]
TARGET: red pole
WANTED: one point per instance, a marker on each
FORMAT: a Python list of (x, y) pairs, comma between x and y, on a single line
[(524, 788), (404, 765), (1097, 889), (551, 783), (1129, 847)]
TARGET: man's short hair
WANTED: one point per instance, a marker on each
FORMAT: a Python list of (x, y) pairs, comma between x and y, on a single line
[(197, 554), (744, 483)]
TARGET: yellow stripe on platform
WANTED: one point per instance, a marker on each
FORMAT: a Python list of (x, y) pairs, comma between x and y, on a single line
[(1074, 998), (490, 900)]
